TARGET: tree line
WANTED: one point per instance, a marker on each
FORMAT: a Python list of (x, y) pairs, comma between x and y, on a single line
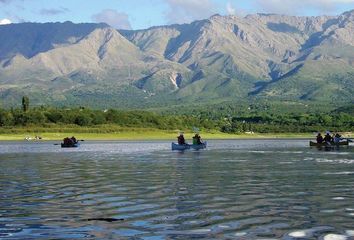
[(230, 124), (225, 121)]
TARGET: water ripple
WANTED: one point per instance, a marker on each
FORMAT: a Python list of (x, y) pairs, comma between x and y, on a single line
[(254, 191)]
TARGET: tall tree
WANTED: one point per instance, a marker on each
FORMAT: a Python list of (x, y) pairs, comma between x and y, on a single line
[(25, 103)]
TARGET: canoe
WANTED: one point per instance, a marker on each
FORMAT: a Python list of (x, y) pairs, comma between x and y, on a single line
[(315, 144), (199, 146), (176, 146), (70, 145)]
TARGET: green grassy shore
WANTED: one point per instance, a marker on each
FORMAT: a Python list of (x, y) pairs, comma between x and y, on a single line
[(117, 133)]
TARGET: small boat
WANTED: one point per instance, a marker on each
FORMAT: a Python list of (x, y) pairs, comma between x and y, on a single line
[(315, 144), (199, 146), (74, 145), (181, 147), (176, 146)]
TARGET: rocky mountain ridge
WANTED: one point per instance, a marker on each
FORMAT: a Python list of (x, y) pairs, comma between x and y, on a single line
[(224, 57)]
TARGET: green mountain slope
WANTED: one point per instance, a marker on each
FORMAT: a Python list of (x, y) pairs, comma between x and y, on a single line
[(223, 58)]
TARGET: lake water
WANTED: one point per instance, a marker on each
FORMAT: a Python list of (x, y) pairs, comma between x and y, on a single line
[(239, 189)]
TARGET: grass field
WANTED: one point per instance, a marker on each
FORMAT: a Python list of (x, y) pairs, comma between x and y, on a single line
[(127, 134)]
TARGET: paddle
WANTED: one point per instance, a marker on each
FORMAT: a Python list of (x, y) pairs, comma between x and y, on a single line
[(106, 219), (82, 140)]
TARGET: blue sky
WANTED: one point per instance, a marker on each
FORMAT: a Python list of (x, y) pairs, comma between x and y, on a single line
[(138, 14)]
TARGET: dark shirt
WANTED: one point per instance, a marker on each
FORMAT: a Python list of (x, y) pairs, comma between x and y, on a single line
[(199, 140), (319, 139), (67, 141), (181, 140), (328, 138)]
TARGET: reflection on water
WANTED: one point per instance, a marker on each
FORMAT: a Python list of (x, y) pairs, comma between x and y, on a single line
[(141, 190)]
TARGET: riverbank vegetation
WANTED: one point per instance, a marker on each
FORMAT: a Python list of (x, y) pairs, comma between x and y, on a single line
[(87, 133), (225, 120)]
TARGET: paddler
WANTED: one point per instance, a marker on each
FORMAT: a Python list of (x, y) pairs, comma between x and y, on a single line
[(181, 140), (319, 138)]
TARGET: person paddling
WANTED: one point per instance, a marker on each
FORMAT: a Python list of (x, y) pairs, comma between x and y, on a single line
[(181, 140), (197, 139), (70, 141), (337, 138), (328, 139), (319, 138)]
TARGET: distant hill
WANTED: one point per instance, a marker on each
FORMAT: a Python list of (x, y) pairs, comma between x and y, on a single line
[(273, 57), (346, 109)]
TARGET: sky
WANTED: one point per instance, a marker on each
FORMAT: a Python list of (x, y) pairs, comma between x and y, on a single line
[(142, 14)]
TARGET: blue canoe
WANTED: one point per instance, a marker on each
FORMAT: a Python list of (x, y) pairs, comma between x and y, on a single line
[(176, 146)]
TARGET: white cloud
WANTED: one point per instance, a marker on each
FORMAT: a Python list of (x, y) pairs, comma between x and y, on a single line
[(230, 9), (53, 11), (185, 11), (299, 6), (113, 18), (339, 1), (5, 21)]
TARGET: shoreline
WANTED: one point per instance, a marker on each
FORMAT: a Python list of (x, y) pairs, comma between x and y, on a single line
[(138, 134), (146, 136)]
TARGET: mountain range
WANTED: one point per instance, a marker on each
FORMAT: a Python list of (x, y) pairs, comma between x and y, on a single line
[(260, 56)]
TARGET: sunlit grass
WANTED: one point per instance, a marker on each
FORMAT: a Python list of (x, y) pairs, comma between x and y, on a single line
[(128, 134)]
